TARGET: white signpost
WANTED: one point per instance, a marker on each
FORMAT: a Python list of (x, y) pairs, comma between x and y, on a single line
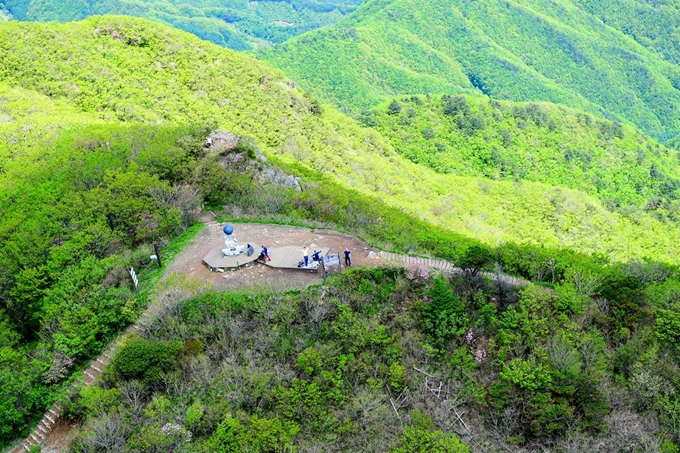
[(135, 280)]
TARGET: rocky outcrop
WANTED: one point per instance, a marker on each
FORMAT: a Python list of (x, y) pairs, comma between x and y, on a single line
[(223, 142), (238, 154), (273, 175)]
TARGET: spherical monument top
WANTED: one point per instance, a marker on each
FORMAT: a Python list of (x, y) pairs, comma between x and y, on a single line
[(228, 229)]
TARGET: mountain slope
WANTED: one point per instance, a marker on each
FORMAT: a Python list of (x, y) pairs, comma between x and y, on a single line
[(126, 69), (237, 24), (539, 142), (515, 50), (652, 24), (101, 131)]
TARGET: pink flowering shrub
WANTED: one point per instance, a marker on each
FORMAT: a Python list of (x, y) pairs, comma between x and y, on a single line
[(480, 353), (417, 273), (470, 337), (176, 431)]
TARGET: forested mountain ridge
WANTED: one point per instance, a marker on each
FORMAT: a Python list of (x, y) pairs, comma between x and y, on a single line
[(620, 57), (101, 153), (515, 50), (237, 24), (540, 142), (89, 64), (653, 24)]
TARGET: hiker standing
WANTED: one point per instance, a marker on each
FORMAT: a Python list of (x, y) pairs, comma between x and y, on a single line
[(265, 254), (305, 255), (348, 259)]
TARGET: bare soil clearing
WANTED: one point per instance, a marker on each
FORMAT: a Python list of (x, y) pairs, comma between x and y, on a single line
[(188, 262)]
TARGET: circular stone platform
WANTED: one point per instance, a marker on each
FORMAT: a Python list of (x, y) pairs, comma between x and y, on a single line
[(217, 262)]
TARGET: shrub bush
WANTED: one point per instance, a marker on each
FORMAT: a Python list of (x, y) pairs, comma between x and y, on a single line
[(145, 360)]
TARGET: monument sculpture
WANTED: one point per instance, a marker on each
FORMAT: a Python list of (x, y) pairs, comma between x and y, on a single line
[(231, 245)]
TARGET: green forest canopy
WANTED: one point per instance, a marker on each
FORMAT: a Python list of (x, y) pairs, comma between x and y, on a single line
[(652, 24), (539, 142), (526, 50), (237, 24), (98, 145)]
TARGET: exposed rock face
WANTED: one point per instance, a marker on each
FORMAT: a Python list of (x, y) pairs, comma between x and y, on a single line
[(235, 161), (223, 141), (233, 155), (276, 176)]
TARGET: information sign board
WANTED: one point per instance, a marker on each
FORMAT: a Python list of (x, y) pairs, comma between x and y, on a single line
[(331, 260)]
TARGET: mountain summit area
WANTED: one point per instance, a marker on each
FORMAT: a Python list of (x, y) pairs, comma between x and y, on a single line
[(503, 172)]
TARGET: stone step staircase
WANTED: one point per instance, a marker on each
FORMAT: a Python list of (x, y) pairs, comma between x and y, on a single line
[(395, 259), (40, 434), (405, 260)]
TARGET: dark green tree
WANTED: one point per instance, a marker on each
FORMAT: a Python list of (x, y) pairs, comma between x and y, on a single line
[(444, 317), (474, 259), (394, 108)]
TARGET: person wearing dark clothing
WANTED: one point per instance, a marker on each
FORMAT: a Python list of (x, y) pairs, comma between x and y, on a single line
[(348, 259), (305, 255), (265, 254)]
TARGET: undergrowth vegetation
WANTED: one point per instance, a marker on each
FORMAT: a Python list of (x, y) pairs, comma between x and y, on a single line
[(401, 360), (71, 226)]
